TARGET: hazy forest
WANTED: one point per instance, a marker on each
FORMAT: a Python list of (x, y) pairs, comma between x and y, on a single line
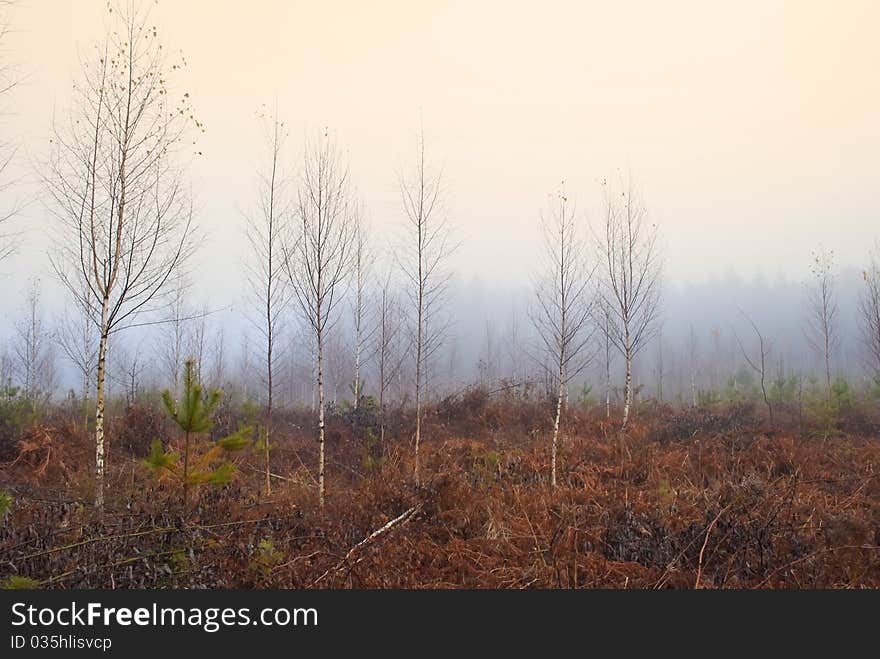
[(364, 416)]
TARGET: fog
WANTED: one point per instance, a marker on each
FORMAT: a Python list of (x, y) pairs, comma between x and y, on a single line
[(751, 131)]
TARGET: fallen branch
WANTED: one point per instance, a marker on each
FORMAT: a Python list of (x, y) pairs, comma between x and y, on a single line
[(401, 519), (705, 542), (662, 580), (273, 475), (89, 541)]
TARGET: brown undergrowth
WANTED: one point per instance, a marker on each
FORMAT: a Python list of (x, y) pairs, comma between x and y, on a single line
[(689, 500)]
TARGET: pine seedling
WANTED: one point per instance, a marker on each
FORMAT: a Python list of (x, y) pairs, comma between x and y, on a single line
[(193, 415)]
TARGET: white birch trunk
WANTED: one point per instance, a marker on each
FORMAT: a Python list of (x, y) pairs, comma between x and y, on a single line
[(320, 419), (627, 401), (99, 410), (554, 446)]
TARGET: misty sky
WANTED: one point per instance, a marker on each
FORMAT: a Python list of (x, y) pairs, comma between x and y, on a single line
[(751, 127)]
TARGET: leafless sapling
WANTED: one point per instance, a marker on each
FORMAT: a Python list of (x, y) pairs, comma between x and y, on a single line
[(270, 287), (217, 372), (822, 330), (318, 257), (173, 342), (563, 306), (603, 323), (125, 218), (362, 267), (659, 369), (758, 363), (33, 349), (630, 280), (692, 347), (388, 349), (869, 310), (423, 258), (513, 342)]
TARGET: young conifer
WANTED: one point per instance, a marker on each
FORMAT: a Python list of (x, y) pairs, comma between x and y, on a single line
[(193, 415)]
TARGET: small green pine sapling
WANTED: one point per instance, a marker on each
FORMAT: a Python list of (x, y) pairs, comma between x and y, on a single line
[(193, 416)]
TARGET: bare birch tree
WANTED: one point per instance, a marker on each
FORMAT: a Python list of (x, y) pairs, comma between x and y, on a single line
[(218, 360), (487, 364), (133, 369), (174, 339), (198, 341), (270, 289), (630, 279), (362, 266), (822, 330), (603, 322), (564, 304), (514, 352), (869, 310), (659, 369), (33, 349), (422, 260), (759, 363), (692, 347), (129, 365), (388, 349), (125, 219), (318, 258), (336, 357), (245, 365)]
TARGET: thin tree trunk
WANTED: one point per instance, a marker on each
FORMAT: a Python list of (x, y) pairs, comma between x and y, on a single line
[(268, 473), (382, 419), (320, 416), (99, 407), (800, 399), (766, 399), (553, 449), (85, 400), (356, 389), (828, 363), (382, 380), (607, 367), (419, 377), (268, 398), (186, 472), (418, 432), (99, 420), (357, 371), (628, 395)]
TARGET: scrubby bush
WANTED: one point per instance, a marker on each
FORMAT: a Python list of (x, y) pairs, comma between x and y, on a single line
[(17, 413), (139, 425), (783, 390), (708, 397), (841, 396)]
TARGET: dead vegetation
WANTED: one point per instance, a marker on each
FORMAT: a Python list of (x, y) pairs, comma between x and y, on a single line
[(700, 499)]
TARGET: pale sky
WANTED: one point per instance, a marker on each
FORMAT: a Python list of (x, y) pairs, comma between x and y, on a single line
[(753, 128)]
